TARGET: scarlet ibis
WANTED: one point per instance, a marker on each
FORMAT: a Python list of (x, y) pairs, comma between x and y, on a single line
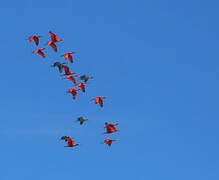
[(85, 78), (54, 38), (81, 85), (67, 71), (40, 52), (99, 100), (53, 45), (110, 128), (73, 91), (71, 143), (68, 56), (109, 141), (81, 120), (71, 78), (35, 38), (59, 65)]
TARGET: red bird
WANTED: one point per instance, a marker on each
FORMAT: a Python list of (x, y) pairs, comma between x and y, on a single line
[(109, 141), (99, 100), (52, 44), (73, 92), (81, 85), (35, 38), (39, 51), (68, 56), (67, 71), (110, 128), (54, 38), (71, 78), (70, 142)]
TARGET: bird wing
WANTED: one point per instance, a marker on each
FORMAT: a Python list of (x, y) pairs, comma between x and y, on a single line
[(52, 36), (53, 46), (66, 68), (101, 102), (41, 54), (36, 39), (70, 58)]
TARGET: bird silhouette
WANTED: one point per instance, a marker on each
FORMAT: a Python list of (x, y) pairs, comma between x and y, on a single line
[(85, 78), (81, 120), (59, 65)]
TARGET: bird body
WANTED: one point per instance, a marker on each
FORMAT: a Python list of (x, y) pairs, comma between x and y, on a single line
[(72, 78), (73, 91), (109, 141), (53, 45), (59, 65), (110, 128), (54, 37), (67, 71), (99, 100), (81, 120), (68, 56), (35, 38), (85, 78), (40, 52), (71, 143), (81, 85)]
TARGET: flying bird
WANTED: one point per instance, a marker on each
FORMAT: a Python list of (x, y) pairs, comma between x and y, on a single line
[(35, 38), (81, 120), (54, 37), (73, 91), (85, 78), (109, 141), (68, 56), (40, 52), (110, 128), (67, 71), (53, 45), (59, 65), (72, 78), (81, 85), (71, 143), (98, 100)]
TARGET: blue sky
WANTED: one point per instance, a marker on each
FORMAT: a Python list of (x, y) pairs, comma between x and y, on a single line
[(156, 61)]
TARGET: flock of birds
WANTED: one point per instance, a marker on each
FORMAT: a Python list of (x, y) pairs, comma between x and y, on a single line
[(110, 128)]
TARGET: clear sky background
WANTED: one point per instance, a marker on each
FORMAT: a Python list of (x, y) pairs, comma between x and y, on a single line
[(156, 61)]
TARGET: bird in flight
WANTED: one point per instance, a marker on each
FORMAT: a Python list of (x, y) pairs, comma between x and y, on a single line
[(68, 56), (98, 100), (71, 78), (71, 143), (53, 45), (81, 85), (110, 128), (54, 37), (81, 120), (73, 92), (35, 38), (40, 52), (109, 141), (59, 65), (85, 78)]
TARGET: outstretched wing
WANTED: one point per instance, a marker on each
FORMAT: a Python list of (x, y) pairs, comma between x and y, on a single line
[(36, 39), (70, 58), (53, 46), (66, 69), (52, 36)]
